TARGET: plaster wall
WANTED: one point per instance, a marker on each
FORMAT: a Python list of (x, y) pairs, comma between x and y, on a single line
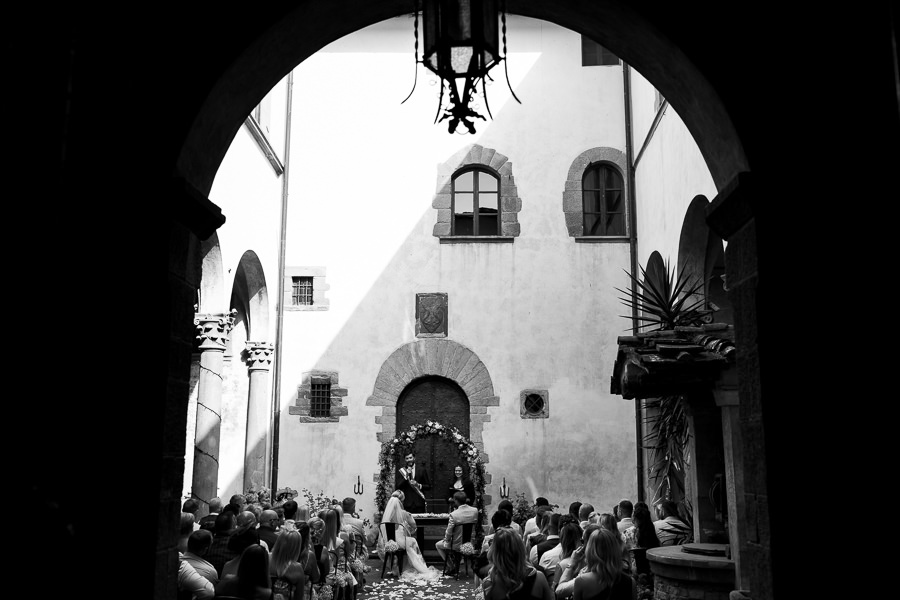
[(540, 312), (671, 172)]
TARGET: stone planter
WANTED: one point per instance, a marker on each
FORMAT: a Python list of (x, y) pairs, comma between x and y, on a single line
[(679, 575)]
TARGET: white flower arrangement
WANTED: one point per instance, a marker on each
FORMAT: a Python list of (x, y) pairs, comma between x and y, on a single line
[(391, 546), (324, 593), (468, 549)]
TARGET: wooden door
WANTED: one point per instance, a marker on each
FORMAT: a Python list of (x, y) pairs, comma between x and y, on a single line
[(442, 400)]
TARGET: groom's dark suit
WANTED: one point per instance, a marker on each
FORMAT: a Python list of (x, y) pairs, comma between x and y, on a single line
[(413, 502)]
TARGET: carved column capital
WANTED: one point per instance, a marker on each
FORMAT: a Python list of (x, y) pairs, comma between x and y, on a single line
[(213, 329), (259, 356)]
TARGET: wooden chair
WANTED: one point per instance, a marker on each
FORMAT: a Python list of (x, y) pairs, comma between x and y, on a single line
[(397, 557), (455, 556)]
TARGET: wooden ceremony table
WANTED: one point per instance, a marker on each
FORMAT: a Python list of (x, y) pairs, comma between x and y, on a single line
[(424, 520)]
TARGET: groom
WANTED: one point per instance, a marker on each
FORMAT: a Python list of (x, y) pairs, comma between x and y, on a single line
[(412, 482)]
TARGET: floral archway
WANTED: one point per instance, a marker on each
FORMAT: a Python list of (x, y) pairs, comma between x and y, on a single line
[(395, 449)]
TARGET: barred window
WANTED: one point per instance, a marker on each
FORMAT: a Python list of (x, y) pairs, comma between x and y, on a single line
[(302, 294), (320, 399)]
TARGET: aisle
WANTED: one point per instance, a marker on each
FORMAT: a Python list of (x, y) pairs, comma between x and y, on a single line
[(444, 588)]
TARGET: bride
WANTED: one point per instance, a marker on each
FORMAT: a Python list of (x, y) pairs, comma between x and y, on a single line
[(404, 534)]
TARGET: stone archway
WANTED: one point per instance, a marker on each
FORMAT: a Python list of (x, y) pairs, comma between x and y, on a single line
[(435, 357)]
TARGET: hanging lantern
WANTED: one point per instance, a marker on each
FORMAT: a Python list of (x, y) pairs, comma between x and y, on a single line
[(461, 43)]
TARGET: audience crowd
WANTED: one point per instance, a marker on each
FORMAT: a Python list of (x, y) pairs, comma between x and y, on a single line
[(260, 551)]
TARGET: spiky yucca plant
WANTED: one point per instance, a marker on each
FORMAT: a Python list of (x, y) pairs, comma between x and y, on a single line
[(667, 303)]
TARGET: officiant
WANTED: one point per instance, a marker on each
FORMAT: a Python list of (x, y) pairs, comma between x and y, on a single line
[(461, 483), (413, 481)]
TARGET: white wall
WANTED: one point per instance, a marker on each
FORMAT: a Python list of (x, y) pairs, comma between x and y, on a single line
[(540, 312), (670, 173)]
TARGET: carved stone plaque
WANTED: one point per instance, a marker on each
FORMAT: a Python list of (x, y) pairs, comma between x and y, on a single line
[(431, 315)]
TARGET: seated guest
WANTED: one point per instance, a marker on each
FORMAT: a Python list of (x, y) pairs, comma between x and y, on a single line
[(542, 520), (245, 535), (290, 564), (584, 514), (320, 553), (641, 535), (573, 510), (192, 506), (569, 538), (551, 540), (624, 510), (185, 529), (190, 581), (506, 505), (235, 505), (463, 513), (267, 530), (603, 565), (608, 522), (219, 553), (500, 520), (251, 581), (197, 548), (350, 518), (572, 567), (510, 575), (541, 504), (209, 521), (670, 529), (290, 513)]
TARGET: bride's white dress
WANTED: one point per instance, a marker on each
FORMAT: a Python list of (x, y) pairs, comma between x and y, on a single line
[(404, 534)]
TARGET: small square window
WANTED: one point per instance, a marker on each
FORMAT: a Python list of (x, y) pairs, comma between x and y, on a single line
[(320, 399), (593, 54), (302, 293)]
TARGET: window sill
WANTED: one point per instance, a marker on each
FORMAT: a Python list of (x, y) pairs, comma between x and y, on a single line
[(305, 308), (476, 239), (602, 239)]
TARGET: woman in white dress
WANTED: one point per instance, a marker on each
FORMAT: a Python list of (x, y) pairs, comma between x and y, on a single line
[(404, 534)]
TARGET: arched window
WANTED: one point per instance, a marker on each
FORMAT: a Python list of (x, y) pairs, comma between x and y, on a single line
[(603, 201), (476, 202)]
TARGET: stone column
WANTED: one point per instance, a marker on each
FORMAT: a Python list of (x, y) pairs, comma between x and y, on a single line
[(726, 395), (213, 333), (259, 361)]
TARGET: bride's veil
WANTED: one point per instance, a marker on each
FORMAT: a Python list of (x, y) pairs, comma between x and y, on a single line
[(393, 512)]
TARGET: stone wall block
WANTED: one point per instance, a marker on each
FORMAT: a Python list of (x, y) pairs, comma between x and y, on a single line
[(465, 370), (389, 411), (378, 420), (370, 401), (508, 204), (572, 202), (441, 201), (486, 155), (460, 360), (572, 185), (487, 477), (575, 230), (441, 229), (498, 161), (508, 190), (436, 351), (443, 215), (449, 357), (469, 376), (487, 499), (505, 168), (473, 156), (388, 382), (510, 229), (483, 418), (477, 410), (479, 382), (574, 219), (476, 435), (509, 217)]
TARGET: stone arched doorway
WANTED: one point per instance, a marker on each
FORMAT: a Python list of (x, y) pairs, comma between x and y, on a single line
[(412, 370), (438, 399)]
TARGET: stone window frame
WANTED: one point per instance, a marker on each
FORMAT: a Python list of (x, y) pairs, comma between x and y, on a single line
[(319, 301), (510, 203), (544, 413), (302, 405), (573, 204)]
